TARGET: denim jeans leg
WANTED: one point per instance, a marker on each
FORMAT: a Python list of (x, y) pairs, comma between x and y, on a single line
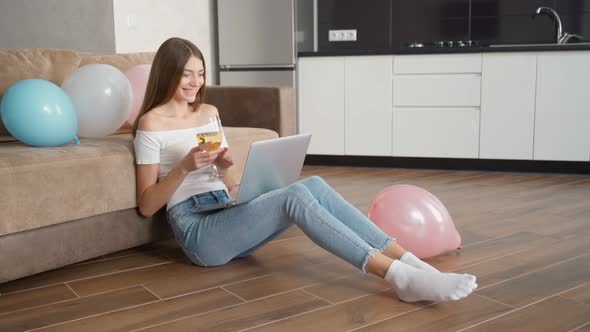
[(218, 237), (346, 213), (250, 251)]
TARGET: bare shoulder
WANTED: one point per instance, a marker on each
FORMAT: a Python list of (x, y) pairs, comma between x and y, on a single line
[(208, 109), (150, 121)]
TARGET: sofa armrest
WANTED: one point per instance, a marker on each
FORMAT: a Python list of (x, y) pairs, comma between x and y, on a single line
[(258, 107)]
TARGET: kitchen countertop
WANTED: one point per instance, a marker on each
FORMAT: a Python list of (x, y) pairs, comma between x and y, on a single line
[(455, 50)]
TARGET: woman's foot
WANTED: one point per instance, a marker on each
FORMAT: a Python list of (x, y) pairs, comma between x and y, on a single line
[(412, 284), (416, 262)]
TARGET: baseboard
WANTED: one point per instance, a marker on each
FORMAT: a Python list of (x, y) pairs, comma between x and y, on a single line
[(541, 166)]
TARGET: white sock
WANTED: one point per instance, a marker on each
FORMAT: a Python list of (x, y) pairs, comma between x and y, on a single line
[(416, 262), (412, 284)]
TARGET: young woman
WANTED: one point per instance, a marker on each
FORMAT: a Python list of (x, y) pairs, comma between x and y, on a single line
[(173, 170)]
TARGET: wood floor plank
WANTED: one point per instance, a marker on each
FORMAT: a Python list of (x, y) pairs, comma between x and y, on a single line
[(126, 279), (500, 269), (276, 250), (37, 317), (299, 252), (580, 294), (345, 316), (553, 314), (582, 328), (182, 284), (162, 248), (470, 236), (487, 250), (35, 297), (183, 277), (539, 221), (151, 314), (519, 230), (347, 288), (441, 317), (540, 284), (81, 271), (248, 314), (290, 279)]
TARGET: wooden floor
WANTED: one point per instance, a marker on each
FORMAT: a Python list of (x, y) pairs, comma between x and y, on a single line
[(525, 236)]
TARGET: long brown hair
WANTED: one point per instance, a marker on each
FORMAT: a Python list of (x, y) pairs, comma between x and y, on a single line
[(165, 75)]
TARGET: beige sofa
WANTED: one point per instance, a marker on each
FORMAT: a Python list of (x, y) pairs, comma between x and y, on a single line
[(62, 205)]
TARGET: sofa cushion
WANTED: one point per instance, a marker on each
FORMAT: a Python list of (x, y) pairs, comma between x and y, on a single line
[(50, 64), (46, 186), (123, 61)]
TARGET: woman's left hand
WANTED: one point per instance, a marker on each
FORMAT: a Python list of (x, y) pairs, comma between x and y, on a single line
[(224, 159)]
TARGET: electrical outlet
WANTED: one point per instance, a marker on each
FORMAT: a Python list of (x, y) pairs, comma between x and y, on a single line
[(350, 35), (333, 35), (342, 35), (131, 21)]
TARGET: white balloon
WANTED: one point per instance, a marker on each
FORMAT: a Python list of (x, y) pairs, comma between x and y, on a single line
[(102, 98)]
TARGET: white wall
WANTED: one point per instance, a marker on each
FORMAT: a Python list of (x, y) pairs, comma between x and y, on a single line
[(142, 25), (83, 25)]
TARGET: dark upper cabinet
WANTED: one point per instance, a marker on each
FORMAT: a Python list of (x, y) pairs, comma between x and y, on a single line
[(575, 15), (489, 8), (573, 6), (577, 23), (429, 20), (513, 29), (371, 19), (391, 24), (433, 9)]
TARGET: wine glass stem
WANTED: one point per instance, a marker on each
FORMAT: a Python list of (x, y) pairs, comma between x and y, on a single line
[(214, 172)]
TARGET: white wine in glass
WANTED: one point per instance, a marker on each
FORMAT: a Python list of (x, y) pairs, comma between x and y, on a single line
[(213, 135)]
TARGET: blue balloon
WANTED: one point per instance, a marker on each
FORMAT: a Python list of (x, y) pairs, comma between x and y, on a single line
[(39, 113)]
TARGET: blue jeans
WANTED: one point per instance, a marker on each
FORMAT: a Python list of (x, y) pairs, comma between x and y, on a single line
[(213, 238)]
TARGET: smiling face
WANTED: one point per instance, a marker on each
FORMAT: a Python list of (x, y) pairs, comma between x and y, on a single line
[(191, 80)]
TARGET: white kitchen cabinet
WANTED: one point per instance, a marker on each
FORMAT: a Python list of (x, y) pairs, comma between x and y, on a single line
[(445, 132), (517, 106), (437, 90), (562, 115), (507, 105), (321, 103), (436, 102), (367, 103), (437, 63)]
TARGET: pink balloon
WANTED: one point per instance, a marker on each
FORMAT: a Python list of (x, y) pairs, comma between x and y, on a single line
[(416, 218), (138, 77)]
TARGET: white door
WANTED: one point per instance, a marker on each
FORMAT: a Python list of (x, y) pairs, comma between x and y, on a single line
[(368, 105), (562, 114), (507, 105), (321, 103)]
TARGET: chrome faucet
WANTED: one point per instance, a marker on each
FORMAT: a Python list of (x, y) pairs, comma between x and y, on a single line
[(561, 36)]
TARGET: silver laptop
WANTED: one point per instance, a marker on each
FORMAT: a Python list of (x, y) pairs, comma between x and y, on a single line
[(270, 165)]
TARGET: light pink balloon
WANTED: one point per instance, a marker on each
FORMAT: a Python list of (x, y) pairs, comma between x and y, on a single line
[(416, 218), (138, 77)]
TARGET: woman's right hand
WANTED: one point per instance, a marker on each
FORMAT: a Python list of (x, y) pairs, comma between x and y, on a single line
[(199, 158)]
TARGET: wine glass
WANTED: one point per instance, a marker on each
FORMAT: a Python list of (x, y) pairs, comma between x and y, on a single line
[(212, 133)]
